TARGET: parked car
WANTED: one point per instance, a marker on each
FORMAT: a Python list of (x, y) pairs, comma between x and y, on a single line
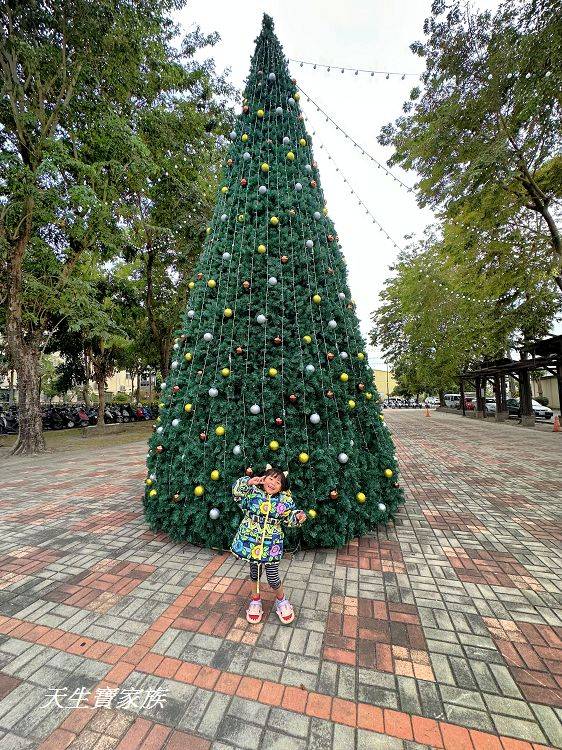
[(490, 405), (470, 403), (540, 411)]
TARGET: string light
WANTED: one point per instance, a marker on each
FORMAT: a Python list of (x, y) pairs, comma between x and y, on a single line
[(356, 71), (355, 144)]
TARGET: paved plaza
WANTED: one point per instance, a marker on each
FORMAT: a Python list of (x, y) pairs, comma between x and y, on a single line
[(444, 631)]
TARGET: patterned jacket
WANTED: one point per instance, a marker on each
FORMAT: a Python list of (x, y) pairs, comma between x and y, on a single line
[(260, 534)]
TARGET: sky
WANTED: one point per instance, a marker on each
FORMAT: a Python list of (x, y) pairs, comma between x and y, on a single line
[(357, 34)]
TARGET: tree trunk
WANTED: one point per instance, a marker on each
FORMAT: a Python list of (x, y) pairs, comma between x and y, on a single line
[(138, 387), (101, 397), (11, 387), (165, 348), (30, 439), (86, 394), (442, 398)]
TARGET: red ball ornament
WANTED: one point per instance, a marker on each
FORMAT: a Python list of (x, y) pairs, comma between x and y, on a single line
[(396, 484), (284, 259), (239, 350), (249, 471), (294, 81), (312, 183), (330, 356), (361, 386), (176, 497), (330, 394), (245, 109), (200, 372), (278, 421), (334, 494), (246, 285), (176, 388), (293, 398), (330, 271), (330, 238), (278, 340), (314, 164), (229, 162), (243, 182), (301, 117), (202, 436), (159, 448), (199, 276), (183, 337)]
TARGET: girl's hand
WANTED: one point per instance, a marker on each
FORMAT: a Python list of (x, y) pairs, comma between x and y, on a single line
[(301, 516), (256, 480)]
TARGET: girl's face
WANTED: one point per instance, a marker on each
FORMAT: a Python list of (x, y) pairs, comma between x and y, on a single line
[(272, 484)]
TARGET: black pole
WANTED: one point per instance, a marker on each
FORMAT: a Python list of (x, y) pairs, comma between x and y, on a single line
[(462, 398)]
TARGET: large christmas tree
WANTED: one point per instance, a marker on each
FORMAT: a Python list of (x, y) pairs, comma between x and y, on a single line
[(269, 364)]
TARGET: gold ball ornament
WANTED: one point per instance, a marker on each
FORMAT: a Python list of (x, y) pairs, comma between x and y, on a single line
[(344, 377), (152, 493), (220, 430), (274, 445), (188, 356), (290, 156), (381, 416), (191, 284), (317, 299), (307, 339), (302, 142), (211, 283), (215, 475), (260, 113), (188, 407), (148, 482), (245, 137), (274, 221), (312, 513), (361, 356), (351, 403), (228, 313), (303, 458), (272, 372), (199, 490), (262, 249), (325, 210), (388, 473), (265, 167), (296, 96), (240, 217), (224, 189), (360, 497), (208, 230), (368, 395), (225, 372), (161, 405)]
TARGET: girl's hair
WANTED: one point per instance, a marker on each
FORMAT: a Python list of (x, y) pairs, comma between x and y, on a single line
[(276, 472)]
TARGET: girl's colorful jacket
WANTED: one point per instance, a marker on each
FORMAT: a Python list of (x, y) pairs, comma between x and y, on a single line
[(260, 536)]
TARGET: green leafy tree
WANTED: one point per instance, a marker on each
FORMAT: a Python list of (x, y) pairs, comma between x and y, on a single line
[(484, 134), (269, 364)]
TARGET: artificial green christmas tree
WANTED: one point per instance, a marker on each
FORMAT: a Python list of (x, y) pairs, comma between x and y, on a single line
[(269, 364)]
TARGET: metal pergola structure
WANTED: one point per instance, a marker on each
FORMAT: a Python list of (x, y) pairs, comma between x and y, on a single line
[(540, 355)]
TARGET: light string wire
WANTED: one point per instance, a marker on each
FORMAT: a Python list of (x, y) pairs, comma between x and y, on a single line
[(363, 150), (356, 71)]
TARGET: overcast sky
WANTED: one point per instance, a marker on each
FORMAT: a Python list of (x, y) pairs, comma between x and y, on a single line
[(354, 33)]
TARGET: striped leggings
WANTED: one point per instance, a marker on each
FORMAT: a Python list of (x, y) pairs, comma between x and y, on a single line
[(271, 572)]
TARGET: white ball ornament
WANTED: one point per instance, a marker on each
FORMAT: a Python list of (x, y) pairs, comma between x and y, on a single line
[(176, 346), (224, 217), (226, 256), (233, 134), (213, 392), (214, 513), (261, 319), (272, 281), (343, 458), (344, 355), (381, 506), (315, 418), (309, 244), (291, 100), (237, 450), (255, 409), (298, 187), (246, 156), (175, 422), (341, 295), (191, 314), (279, 110), (307, 168), (352, 443), (317, 215), (153, 477), (160, 430), (286, 140), (174, 365), (271, 77), (262, 190), (332, 324), (310, 368), (163, 385), (208, 337)]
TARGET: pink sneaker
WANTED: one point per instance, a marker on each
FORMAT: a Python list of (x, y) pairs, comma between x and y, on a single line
[(284, 610), (254, 613)]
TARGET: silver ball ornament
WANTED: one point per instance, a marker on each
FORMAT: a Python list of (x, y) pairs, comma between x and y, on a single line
[(214, 513), (261, 319), (332, 324), (271, 77), (153, 477), (341, 295), (286, 140), (262, 190), (272, 281), (343, 458), (207, 337), (291, 100), (246, 156), (237, 450), (315, 418), (224, 217), (255, 409), (174, 365), (213, 392), (160, 430), (298, 187), (309, 244), (310, 368), (344, 355), (175, 422), (307, 168), (191, 314), (176, 346), (233, 134), (163, 384), (381, 507), (279, 110), (317, 215), (226, 256)]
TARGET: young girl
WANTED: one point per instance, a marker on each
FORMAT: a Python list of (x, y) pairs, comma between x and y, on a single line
[(267, 503)]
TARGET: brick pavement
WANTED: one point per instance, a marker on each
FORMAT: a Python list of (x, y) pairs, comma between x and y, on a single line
[(444, 631)]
